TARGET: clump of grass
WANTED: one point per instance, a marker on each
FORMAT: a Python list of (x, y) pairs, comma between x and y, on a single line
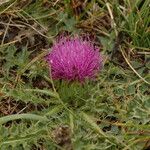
[(111, 112)]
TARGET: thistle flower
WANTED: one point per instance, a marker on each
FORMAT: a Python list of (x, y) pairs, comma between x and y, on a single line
[(74, 59)]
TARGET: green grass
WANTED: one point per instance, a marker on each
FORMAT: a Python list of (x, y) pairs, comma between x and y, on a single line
[(110, 113)]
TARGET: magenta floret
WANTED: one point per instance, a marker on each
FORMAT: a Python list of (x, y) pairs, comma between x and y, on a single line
[(74, 59)]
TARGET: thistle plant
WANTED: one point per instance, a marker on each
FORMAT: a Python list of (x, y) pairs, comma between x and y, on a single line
[(74, 59)]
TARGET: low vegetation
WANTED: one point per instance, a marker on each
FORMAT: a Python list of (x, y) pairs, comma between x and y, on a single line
[(111, 112)]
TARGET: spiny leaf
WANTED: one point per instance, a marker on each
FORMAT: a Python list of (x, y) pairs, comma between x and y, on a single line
[(22, 116), (93, 124)]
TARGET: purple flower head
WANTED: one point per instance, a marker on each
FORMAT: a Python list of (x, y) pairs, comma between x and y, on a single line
[(74, 59)]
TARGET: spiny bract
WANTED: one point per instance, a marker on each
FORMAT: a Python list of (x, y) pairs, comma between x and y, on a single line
[(74, 59)]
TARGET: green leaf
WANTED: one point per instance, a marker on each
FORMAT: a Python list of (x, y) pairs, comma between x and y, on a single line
[(22, 116), (45, 91), (93, 124)]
